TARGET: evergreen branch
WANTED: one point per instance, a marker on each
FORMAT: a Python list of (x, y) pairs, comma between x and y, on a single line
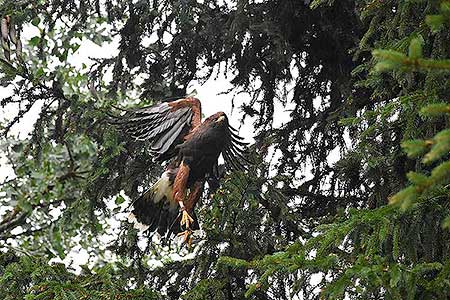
[(390, 59), (421, 184), (30, 231), (435, 109), (16, 218), (18, 215)]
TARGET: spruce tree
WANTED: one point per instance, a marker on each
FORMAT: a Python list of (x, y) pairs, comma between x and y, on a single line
[(368, 80)]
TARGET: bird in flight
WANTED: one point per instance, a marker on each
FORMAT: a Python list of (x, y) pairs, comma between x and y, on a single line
[(191, 149)]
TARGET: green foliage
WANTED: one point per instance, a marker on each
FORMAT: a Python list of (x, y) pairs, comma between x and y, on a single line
[(366, 253), (439, 21), (316, 3), (437, 109), (33, 278), (365, 81), (379, 259), (435, 149), (207, 289), (390, 59)]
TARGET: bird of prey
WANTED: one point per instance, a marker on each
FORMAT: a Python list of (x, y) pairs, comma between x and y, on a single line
[(191, 148)]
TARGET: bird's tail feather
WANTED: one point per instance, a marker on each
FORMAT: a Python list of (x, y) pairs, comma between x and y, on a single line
[(155, 210)]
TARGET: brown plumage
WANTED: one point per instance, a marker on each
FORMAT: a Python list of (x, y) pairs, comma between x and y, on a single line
[(191, 148)]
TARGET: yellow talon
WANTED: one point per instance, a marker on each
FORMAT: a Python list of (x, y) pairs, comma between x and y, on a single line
[(186, 220), (186, 236)]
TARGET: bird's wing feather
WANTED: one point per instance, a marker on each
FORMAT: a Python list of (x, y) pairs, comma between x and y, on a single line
[(168, 138), (234, 151), (164, 124)]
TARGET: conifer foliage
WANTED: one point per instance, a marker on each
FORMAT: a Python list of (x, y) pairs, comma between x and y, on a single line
[(348, 198), (33, 278)]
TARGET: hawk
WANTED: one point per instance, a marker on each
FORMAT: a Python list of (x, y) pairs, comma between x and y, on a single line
[(191, 149)]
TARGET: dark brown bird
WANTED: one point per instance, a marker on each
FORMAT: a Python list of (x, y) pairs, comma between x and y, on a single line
[(191, 148)]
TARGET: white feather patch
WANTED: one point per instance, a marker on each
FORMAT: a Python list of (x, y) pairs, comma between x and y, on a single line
[(162, 188), (137, 225)]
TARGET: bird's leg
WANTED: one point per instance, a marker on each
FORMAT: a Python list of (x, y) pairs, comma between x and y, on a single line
[(186, 219), (188, 206), (194, 195), (179, 191)]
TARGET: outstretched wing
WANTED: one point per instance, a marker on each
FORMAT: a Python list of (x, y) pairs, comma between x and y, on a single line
[(164, 124), (235, 151)]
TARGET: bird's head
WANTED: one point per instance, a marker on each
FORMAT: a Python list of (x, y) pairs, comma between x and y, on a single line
[(219, 118)]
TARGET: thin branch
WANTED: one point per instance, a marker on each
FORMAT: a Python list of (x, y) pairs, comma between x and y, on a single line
[(30, 231), (15, 219)]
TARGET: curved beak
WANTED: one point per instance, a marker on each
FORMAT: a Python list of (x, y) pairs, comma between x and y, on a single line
[(220, 119)]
